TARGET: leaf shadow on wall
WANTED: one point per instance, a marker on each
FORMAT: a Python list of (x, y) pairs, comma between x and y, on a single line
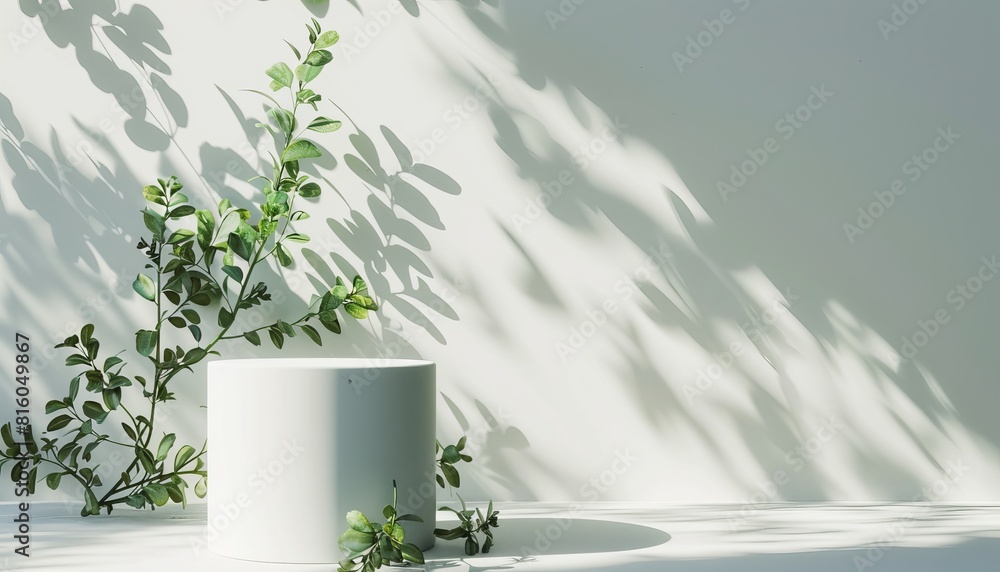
[(700, 284), (91, 28), (390, 237)]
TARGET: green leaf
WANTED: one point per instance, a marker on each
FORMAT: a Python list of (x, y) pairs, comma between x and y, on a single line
[(353, 542), (183, 456), (146, 460), (180, 236), (206, 225), (74, 388), (280, 73), (145, 287), (471, 545), (283, 118), (278, 202), (310, 190), (411, 553), (165, 445), (155, 222), (177, 199), (93, 409), (357, 521), (300, 149), (285, 328), (182, 211), (156, 493), (112, 398), (356, 311), (145, 342), (119, 381), (224, 205), (201, 488), (194, 355), (319, 57), (52, 480), (277, 338), (451, 474), (129, 431), (306, 73), (8, 438), (77, 359), (409, 517), (388, 511), (135, 501), (177, 322), (324, 125), (312, 333), (153, 193), (327, 39), (395, 532), (86, 334), (330, 321), (451, 454), (52, 407), (252, 337), (239, 246), (112, 362), (298, 56), (360, 286), (298, 237), (339, 293), (234, 272), (90, 504), (225, 318), (284, 257), (191, 316)]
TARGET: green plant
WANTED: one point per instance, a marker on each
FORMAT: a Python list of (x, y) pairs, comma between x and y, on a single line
[(470, 524), (366, 551), (450, 455), (467, 528), (368, 545), (196, 263)]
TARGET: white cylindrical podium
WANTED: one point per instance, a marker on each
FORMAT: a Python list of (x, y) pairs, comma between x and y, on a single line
[(294, 444)]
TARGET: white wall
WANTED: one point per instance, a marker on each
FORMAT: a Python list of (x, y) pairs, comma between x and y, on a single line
[(488, 285)]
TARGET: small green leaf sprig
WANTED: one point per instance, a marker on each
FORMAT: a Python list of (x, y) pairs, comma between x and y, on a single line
[(450, 455), (470, 524), (194, 261), (367, 545)]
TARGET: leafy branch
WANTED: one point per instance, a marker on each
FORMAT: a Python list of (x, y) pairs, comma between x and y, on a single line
[(196, 263), (368, 545)]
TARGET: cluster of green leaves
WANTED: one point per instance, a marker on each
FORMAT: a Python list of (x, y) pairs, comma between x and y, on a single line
[(446, 462), (368, 545), (467, 528), (470, 524), (151, 479), (199, 261)]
